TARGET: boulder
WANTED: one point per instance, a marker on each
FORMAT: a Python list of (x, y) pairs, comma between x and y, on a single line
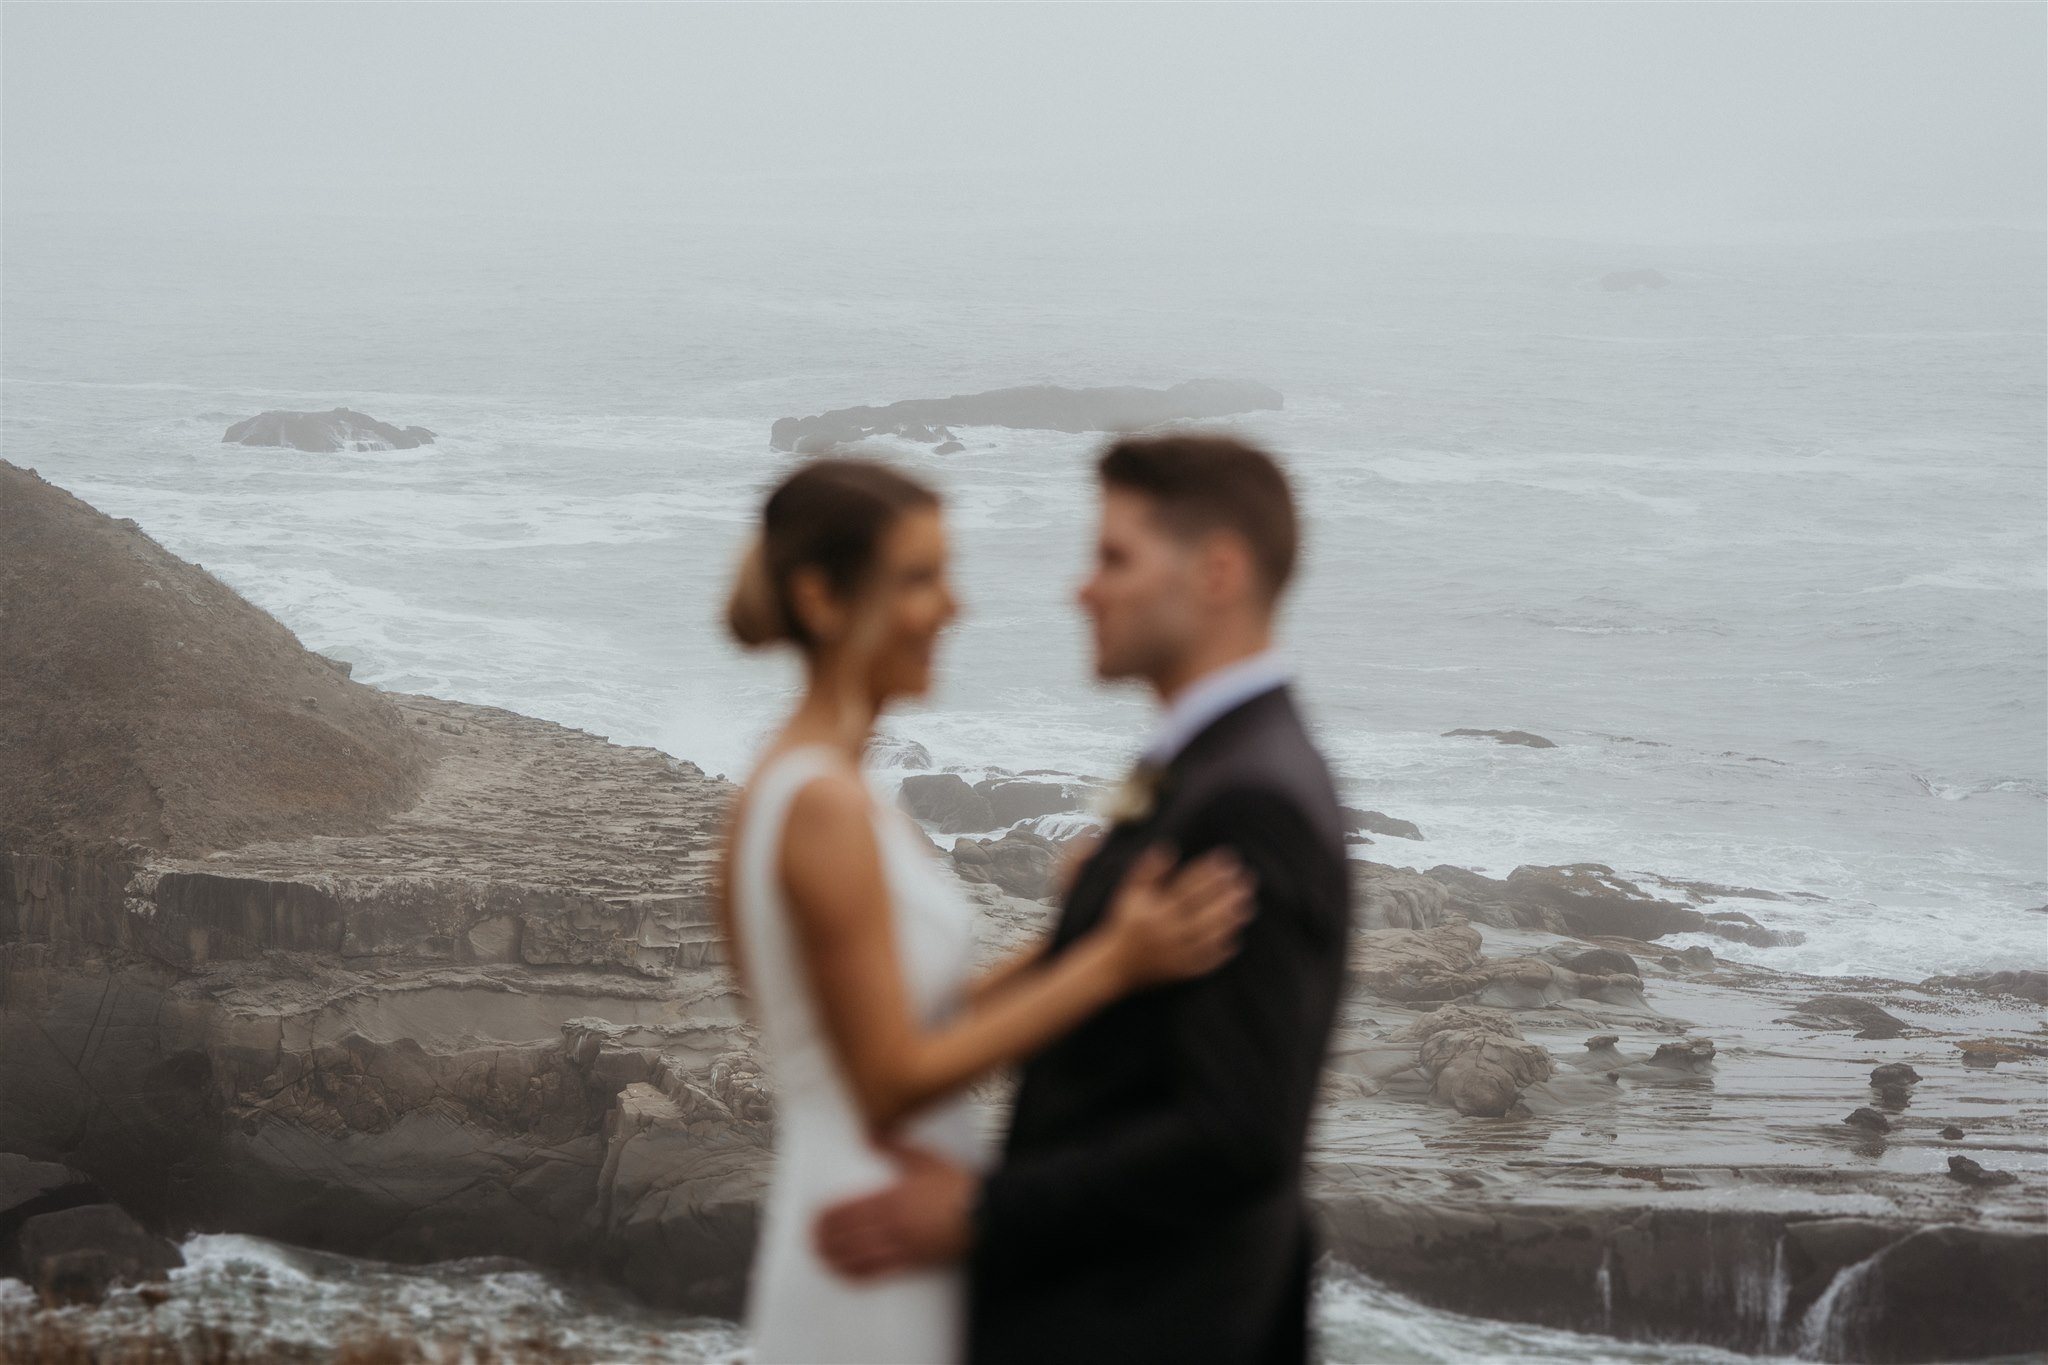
[(1970, 1173), (1476, 1059), (948, 448), (1868, 1118), (1518, 737), (75, 1255), (1395, 898), (1041, 407), (946, 801), (337, 429), (1893, 1073), (1012, 799), (1020, 863), (887, 751)]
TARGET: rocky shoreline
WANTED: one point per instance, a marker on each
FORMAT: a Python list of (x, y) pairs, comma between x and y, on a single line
[(496, 1021)]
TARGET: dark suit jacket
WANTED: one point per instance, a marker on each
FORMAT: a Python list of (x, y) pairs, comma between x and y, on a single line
[(1148, 1204)]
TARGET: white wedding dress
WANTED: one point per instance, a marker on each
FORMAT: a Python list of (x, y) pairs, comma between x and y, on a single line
[(799, 1310)]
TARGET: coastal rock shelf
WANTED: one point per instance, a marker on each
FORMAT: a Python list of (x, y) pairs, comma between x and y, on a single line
[(480, 1008)]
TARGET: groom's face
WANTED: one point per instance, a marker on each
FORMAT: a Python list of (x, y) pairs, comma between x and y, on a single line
[(1143, 598)]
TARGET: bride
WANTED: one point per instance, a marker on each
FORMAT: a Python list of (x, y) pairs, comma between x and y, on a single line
[(856, 948)]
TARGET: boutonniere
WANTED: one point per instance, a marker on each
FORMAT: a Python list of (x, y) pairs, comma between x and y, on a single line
[(1134, 799)]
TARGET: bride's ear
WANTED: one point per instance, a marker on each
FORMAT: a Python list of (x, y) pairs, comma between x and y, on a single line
[(816, 607)]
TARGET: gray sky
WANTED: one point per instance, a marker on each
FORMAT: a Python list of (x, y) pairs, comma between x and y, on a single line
[(1487, 114)]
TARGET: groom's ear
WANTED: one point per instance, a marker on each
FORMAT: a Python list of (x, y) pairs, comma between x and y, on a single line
[(1227, 567)]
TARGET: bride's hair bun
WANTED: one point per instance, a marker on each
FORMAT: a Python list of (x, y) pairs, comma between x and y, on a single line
[(829, 515), (752, 613)]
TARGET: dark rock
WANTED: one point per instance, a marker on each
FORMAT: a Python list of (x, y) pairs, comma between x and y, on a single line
[(1041, 407), (29, 1188), (1620, 281), (1733, 924), (1894, 1073), (74, 1255), (1372, 822), (1846, 1012), (1970, 1173), (945, 800), (338, 429), (1699, 957), (1607, 960), (1700, 892), (1600, 1042), (2027, 985), (948, 448), (1869, 1118), (1693, 1055), (1952, 1132), (1521, 737), (1947, 1293), (1021, 863), (1013, 799), (1594, 903)]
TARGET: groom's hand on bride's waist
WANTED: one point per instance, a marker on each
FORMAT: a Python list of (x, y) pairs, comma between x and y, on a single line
[(923, 1219)]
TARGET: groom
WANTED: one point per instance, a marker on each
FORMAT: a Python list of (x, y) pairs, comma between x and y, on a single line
[(1148, 1202)]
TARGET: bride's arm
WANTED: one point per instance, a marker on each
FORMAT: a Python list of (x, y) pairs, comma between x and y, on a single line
[(1161, 930), (1012, 968)]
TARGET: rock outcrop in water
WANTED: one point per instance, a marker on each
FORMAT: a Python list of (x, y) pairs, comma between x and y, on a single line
[(1043, 407), (336, 429)]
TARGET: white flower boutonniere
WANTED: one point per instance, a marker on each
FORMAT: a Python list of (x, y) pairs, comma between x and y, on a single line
[(1135, 798)]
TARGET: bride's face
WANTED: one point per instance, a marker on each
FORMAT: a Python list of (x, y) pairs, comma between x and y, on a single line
[(908, 602)]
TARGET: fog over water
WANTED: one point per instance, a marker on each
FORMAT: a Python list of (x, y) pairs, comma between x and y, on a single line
[(1764, 551)]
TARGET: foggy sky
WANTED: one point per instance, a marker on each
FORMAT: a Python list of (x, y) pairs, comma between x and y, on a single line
[(1489, 114)]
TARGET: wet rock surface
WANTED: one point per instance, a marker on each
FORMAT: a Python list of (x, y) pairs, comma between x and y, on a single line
[(1043, 407)]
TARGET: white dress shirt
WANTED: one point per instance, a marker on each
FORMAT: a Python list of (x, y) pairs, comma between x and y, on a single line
[(1209, 697)]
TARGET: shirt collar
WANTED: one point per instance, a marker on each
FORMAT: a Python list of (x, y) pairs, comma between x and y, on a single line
[(1209, 697)]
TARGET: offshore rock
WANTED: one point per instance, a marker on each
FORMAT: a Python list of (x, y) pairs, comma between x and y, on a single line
[(2026, 985), (336, 429), (1517, 737), (1476, 1059), (1042, 407)]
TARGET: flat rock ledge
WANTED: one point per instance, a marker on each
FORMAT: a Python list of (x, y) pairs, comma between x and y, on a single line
[(460, 1034)]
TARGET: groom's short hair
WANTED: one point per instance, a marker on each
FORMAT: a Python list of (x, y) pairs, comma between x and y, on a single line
[(1201, 483)]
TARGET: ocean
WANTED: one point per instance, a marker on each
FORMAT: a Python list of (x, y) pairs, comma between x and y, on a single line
[(1763, 552)]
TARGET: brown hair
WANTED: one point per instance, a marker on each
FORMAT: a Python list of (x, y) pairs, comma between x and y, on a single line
[(829, 515), (1203, 483)]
